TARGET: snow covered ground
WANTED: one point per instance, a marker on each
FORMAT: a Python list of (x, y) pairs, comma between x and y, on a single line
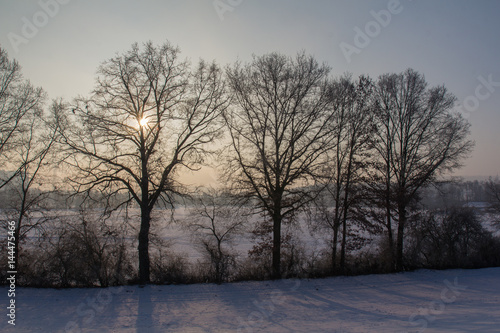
[(422, 301)]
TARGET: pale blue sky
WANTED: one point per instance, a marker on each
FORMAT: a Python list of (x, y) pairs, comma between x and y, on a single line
[(450, 42)]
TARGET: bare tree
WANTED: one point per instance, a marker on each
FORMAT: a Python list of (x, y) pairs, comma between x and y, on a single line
[(493, 192), (352, 125), (148, 117), (27, 134), (30, 187), (18, 98), (418, 138), (216, 219), (278, 127)]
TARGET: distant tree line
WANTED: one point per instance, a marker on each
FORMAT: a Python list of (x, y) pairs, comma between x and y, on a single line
[(353, 157)]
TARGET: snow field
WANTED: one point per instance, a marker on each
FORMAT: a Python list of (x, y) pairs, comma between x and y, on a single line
[(421, 301)]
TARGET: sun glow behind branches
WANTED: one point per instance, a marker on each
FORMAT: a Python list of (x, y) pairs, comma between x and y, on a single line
[(143, 122)]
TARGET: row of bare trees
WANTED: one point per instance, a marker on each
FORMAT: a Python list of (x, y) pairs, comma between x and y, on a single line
[(293, 129), (286, 133), (27, 135)]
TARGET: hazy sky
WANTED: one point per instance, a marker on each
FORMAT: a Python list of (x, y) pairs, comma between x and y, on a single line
[(60, 43)]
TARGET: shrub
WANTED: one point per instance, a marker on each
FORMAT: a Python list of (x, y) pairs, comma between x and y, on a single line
[(451, 239), (293, 254), (170, 268), (76, 253)]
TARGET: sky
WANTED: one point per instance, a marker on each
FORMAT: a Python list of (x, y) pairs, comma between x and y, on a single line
[(60, 43)]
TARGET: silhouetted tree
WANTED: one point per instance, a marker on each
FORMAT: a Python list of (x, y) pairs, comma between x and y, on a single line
[(216, 219), (279, 132), (352, 125), (418, 138), (451, 238), (493, 191), (30, 187), (148, 117), (27, 134), (18, 101)]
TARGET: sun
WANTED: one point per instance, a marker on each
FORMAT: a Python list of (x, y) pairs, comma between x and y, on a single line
[(143, 122)]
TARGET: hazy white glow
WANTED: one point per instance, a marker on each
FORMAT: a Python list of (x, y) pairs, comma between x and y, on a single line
[(143, 122)]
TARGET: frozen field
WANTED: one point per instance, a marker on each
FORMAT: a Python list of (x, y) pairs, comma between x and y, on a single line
[(430, 301)]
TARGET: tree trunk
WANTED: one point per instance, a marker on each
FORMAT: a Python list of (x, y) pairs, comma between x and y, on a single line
[(276, 269), (390, 240), (343, 245), (390, 237), (143, 248), (336, 221), (219, 269), (344, 226), (144, 245), (346, 205), (334, 245), (399, 245)]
